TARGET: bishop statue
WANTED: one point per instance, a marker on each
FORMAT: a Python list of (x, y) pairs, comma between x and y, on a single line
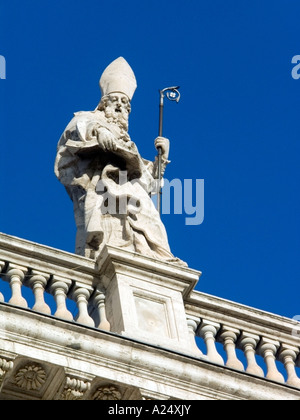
[(108, 181)]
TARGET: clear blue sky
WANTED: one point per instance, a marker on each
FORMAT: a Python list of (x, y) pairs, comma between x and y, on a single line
[(236, 125)]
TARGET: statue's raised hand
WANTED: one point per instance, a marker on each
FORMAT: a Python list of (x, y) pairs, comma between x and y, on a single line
[(164, 144)]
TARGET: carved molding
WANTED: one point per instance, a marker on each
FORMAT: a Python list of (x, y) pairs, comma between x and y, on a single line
[(30, 377), (107, 393)]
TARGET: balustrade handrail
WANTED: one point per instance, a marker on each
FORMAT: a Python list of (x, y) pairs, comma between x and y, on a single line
[(45, 258), (243, 317), (255, 332)]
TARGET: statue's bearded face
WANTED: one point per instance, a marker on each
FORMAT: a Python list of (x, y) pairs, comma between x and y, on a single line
[(117, 109)]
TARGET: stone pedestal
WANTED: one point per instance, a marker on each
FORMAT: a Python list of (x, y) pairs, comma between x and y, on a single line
[(144, 298)]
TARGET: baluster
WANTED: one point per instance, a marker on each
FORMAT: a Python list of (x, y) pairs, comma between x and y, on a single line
[(268, 349), (2, 264), (16, 275), (193, 323), (74, 389), (38, 282), (288, 356), (82, 294), (99, 303), (248, 343), (59, 288), (5, 366), (297, 362), (75, 385), (229, 337), (208, 331)]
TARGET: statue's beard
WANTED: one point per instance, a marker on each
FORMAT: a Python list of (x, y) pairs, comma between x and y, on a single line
[(117, 118)]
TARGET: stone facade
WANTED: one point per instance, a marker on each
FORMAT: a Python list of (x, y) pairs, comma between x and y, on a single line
[(129, 327)]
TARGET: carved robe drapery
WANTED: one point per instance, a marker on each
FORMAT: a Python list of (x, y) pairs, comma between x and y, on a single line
[(110, 190)]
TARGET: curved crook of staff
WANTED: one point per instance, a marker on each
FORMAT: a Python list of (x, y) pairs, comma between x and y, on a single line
[(172, 94)]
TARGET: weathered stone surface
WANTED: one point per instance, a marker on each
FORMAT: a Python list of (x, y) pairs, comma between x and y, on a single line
[(44, 346), (148, 323)]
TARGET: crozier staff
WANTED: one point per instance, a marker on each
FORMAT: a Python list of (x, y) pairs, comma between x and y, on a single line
[(172, 94)]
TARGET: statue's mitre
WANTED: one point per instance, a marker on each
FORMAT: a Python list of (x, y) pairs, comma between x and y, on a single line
[(118, 77)]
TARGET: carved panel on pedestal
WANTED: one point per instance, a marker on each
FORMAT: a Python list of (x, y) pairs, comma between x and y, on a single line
[(152, 315)]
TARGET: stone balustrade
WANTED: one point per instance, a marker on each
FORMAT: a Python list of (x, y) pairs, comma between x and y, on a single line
[(67, 277), (255, 342)]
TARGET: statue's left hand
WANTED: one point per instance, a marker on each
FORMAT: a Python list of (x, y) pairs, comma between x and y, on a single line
[(164, 144)]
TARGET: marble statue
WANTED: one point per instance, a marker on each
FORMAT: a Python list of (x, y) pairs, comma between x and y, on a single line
[(108, 181)]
